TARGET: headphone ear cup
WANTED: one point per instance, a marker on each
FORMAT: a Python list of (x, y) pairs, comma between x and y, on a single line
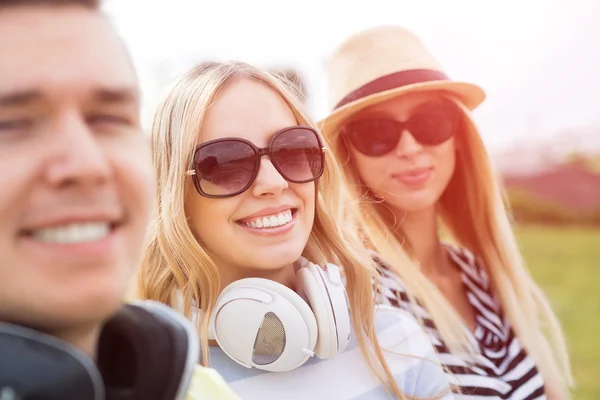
[(37, 365), (262, 324), (326, 294)]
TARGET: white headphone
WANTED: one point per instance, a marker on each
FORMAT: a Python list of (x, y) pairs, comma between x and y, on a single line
[(263, 324)]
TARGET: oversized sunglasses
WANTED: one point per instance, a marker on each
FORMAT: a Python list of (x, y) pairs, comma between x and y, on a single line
[(430, 124), (227, 167)]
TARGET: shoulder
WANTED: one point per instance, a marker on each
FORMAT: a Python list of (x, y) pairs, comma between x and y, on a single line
[(399, 330), (410, 354), (208, 384), (407, 353)]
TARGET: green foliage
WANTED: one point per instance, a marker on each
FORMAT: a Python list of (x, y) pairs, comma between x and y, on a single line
[(565, 261), (528, 208), (590, 161)]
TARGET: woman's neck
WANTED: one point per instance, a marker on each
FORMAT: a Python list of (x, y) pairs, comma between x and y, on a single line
[(285, 275), (421, 232)]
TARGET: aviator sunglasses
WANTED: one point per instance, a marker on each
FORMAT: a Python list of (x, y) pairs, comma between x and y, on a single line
[(431, 124), (227, 167)]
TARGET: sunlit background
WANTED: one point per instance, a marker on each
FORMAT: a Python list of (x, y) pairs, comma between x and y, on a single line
[(538, 60)]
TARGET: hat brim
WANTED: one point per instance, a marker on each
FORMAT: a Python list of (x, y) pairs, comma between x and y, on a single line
[(469, 94)]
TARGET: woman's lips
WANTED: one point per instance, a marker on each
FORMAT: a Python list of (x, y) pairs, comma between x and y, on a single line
[(414, 177)]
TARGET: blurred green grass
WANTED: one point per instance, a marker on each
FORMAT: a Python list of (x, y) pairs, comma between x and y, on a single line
[(566, 264)]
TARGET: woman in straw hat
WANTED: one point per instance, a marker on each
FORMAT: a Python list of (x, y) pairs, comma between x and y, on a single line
[(247, 244), (403, 132)]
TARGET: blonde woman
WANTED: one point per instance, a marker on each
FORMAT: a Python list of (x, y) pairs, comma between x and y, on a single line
[(248, 238), (410, 149)]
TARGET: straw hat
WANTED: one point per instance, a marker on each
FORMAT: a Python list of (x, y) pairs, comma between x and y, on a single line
[(382, 63)]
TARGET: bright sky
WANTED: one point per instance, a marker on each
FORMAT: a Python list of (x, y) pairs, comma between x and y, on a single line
[(538, 60)]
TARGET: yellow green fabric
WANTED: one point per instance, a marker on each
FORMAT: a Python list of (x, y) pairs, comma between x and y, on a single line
[(207, 384)]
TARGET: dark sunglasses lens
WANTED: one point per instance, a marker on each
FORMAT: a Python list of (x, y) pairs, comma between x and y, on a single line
[(224, 168), (298, 155), (374, 136), (433, 124)]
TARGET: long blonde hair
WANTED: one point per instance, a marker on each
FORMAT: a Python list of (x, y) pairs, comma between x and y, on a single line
[(176, 262), (473, 214)]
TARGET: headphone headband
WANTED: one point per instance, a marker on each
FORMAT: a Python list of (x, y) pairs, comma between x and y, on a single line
[(260, 323)]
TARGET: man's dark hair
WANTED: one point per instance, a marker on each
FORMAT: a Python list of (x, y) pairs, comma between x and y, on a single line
[(92, 4)]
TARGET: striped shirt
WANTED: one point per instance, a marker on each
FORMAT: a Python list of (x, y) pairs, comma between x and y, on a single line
[(502, 370), (410, 356)]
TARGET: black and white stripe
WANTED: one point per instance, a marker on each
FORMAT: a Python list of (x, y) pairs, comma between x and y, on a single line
[(502, 370)]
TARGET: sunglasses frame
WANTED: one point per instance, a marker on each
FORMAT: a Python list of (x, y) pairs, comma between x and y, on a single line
[(440, 102), (260, 153)]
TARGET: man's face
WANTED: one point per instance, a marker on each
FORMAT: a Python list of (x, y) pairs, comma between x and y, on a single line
[(76, 181)]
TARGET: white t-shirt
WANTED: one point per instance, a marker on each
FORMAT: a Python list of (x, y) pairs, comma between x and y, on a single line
[(408, 350)]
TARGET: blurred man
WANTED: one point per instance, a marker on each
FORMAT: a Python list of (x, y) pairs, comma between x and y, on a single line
[(76, 193)]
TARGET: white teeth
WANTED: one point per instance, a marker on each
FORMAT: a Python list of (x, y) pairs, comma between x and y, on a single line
[(281, 219), (74, 233), (271, 221)]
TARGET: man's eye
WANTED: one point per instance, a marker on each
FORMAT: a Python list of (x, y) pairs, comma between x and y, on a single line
[(108, 119)]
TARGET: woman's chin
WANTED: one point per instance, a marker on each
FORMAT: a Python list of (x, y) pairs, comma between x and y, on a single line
[(278, 254), (416, 202)]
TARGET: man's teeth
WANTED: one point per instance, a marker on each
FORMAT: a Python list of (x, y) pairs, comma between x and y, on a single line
[(271, 221), (74, 233)]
